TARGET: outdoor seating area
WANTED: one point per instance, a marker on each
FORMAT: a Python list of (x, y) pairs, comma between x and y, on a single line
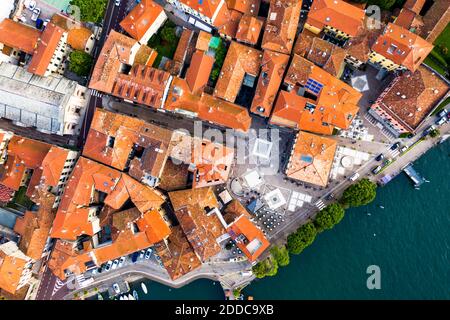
[(345, 160), (357, 131)]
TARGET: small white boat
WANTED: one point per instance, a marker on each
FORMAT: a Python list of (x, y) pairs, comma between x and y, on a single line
[(130, 297), (124, 297), (135, 295), (144, 288), (99, 296), (120, 298), (381, 207)]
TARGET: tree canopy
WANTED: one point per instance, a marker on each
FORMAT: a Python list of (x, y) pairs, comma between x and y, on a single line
[(219, 57), (80, 63), (302, 238), (281, 255), (329, 216), (267, 267), (90, 10), (359, 194)]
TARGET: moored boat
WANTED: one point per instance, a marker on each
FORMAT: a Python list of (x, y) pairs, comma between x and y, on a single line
[(144, 288)]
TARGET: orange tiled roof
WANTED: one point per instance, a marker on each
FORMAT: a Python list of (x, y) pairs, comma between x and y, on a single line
[(248, 237), (207, 107), (249, 29), (359, 46), (197, 74), (141, 18), (311, 159), (203, 40), (413, 96), (402, 47), (18, 35), (129, 134), (240, 60), (154, 226), (230, 25), (11, 269), (65, 257), (46, 47), (182, 46), (177, 254), (337, 14), (336, 104), (273, 66), (234, 210), (78, 35), (281, 25), (202, 230), (250, 7)]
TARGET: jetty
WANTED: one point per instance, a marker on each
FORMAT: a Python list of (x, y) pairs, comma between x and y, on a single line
[(413, 175)]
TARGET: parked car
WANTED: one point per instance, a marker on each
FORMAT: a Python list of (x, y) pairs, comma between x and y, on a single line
[(403, 149), (442, 113), (108, 266), (379, 157), (441, 121), (142, 254), (354, 177), (235, 259), (121, 262), (395, 146), (330, 196), (115, 264), (35, 14), (116, 288), (134, 257), (117, 3), (376, 169), (30, 4), (148, 254)]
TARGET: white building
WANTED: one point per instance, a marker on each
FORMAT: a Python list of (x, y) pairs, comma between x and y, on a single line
[(52, 104)]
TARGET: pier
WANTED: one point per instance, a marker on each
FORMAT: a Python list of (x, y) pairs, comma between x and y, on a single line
[(413, 175)]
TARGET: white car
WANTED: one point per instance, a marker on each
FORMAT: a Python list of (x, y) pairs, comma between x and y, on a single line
[(108, 265), (115, 264), (233, 260), (121, 261), (117, 2), (148, 254), (116, 288), (142, 254), (36, 13)]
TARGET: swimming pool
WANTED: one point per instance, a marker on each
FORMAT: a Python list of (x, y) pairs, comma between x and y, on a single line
[(58, 4)]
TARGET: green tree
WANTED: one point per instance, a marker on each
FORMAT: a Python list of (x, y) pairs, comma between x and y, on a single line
[(281, 255), (80, 63), (329, 216), (90, 10), (302, 238), (434, 133), (359, 194), (221, 53), (168, 34), (267, 267)]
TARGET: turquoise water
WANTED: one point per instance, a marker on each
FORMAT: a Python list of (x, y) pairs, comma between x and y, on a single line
[(409, 240)]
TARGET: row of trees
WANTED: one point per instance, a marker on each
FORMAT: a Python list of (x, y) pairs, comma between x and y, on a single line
[(358, 194)]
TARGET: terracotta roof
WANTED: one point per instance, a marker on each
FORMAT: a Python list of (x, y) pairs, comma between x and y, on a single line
[(46, 47), (230, 25), (405, 18), (413, 96), (248, 237), (359, 46), (129, 135), (435, 20), (273, 66), (249, 29), (6, 194), (203, 40), (174, 176), (78, 38), (141, 18), (250, 7), (240, 60), (205, 7), (12, 265), (337, 14), (281, 25), (402, 47), (65, 257), (311, 159), (191, 208), (210, 162), (18, 35), (207, 107), (304, 42), (34, 227), (177, 254), (154, 226), (414, 5), (182, 46), (336, 102), (197, 74), (234, 210)]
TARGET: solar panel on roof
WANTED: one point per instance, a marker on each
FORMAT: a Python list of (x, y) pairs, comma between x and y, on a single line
[(313, 86)]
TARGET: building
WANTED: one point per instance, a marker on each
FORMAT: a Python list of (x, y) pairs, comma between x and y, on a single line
[(358, 48), (15, 268), (435, 19), (241, 67), (273, 67), (128, 144), (230, 27), (206, 107), (197, 212), (337, 19), (183, 53), (249, 29), (124, 69), (36, 165), (52, 105), (322, 53), (408, 100), (398, 49), (281, 25), (311, 159), (144, 20), (203, 14), (18, 37), (197, 75), (250, 7), (314, 101), (248, 237), (209, 162)]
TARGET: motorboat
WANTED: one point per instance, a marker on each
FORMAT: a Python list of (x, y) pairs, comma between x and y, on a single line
[(144, 288)]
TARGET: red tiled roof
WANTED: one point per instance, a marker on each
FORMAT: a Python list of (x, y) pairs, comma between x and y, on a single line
[(250, 7), (5, 194), (249, 29), (199, 70), (18, 35)]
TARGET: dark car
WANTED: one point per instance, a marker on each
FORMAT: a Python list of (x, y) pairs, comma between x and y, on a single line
[(395, 146), (379, 157), (134, 256), (376, 169)]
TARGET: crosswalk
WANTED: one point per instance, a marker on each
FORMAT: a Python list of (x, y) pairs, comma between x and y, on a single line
[(320, 205), (383, 130), (394, 153), (58, 285), (95, 93)]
